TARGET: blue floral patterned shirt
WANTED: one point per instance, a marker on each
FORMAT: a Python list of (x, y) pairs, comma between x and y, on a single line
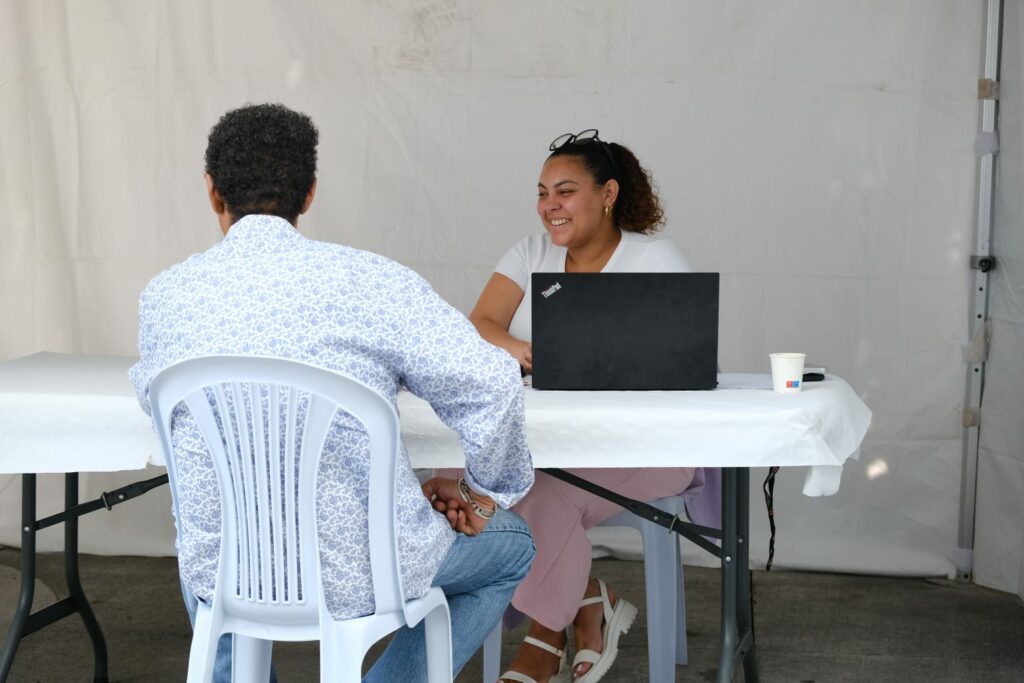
[(266, 290)]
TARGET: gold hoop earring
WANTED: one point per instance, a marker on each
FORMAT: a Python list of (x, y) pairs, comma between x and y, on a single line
[(608, 210)]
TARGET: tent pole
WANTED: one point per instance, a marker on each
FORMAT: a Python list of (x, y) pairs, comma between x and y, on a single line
[(976, 353)]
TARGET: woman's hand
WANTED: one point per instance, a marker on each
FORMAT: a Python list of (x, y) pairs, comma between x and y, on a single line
[(443, 494), (493, 314), (525, 356)]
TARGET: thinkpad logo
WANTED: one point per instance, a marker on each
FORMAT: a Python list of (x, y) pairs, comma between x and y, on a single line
[(551, 290)]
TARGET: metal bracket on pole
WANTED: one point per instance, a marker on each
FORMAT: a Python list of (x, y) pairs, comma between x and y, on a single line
[(971, 417), (988, 89), (983, 263)]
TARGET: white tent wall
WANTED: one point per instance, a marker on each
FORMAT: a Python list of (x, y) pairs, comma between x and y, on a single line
[(818, 155), (999, 536)]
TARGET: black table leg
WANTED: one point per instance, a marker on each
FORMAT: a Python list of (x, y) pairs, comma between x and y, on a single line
[(744, 606), (25, 622), (730, 629), (99, 644), (737, 640), (19, 623)]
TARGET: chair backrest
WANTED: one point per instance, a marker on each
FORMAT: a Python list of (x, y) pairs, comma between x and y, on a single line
[(266, 451)]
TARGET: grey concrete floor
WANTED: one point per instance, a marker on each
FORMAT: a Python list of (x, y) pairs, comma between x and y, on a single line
[(810, 627)]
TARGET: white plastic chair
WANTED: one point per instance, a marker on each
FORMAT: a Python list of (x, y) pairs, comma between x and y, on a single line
[(663, 579), (265, 590)]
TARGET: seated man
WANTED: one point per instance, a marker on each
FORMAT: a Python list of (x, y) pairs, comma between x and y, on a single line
[(266, 290)]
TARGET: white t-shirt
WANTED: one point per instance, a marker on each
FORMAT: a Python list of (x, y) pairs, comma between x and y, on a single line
[(636, 253)]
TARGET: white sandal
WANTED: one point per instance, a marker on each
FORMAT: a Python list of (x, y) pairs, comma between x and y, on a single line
[(561, 674), (617, 621)]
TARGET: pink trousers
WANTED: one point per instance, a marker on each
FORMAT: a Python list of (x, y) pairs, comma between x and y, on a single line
[(559, 515)]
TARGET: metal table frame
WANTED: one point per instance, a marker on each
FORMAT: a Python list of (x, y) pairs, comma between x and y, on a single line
[(737, 624), (737, 630), (26, 622)]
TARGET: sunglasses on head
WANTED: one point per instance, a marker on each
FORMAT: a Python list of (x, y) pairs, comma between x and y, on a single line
[(588, 135), (582, 138)]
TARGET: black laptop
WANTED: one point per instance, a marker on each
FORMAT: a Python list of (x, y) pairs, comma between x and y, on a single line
[(625, 331)]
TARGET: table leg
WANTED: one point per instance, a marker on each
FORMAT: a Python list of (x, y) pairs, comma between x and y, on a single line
[(28, 575), (744, 606), (99, 644), (737, 639), (729, 637), (25, 622)]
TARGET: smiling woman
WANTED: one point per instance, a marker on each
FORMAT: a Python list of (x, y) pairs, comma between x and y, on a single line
[(598, 207)]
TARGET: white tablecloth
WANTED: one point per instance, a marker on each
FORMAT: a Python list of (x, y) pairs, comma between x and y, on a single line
[(66, 413), (820, 427)]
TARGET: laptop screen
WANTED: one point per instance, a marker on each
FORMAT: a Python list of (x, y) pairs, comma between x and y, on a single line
[(625, 331)]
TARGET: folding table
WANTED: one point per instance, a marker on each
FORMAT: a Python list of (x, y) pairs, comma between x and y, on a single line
[(67, 414), (70, 414)]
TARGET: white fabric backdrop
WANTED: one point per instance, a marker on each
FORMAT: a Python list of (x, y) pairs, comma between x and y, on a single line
[(818, 155)]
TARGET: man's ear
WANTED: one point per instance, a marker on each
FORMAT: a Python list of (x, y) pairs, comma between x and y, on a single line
[(309, 198), (216, 201), (219, 206)]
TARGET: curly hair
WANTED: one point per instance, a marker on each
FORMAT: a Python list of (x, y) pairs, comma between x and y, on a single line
[(637, 208), (262, 158)]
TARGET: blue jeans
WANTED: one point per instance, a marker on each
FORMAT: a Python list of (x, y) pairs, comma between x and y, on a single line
[(478, 576)]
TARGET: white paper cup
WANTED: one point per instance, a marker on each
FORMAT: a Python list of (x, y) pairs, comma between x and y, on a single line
[(787, 372)]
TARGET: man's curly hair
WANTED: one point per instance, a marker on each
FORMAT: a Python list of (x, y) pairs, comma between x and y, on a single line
[(262, 158), (638, 208)]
